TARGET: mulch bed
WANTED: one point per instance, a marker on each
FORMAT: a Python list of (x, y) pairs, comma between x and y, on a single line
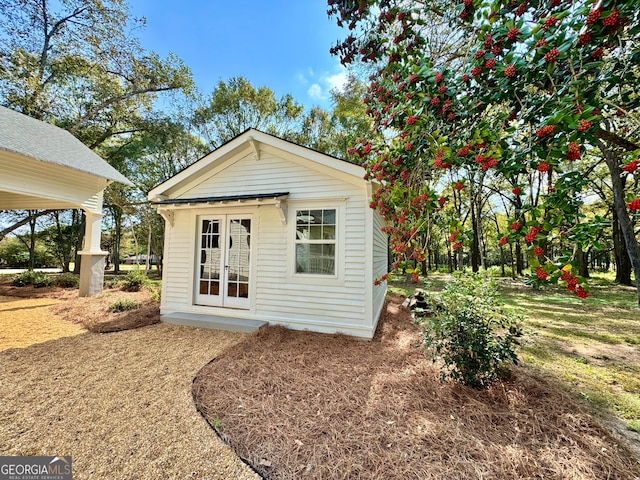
[(306, 405), (92, 313)]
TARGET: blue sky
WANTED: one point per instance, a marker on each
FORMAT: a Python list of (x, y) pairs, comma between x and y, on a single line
[(281, 44)]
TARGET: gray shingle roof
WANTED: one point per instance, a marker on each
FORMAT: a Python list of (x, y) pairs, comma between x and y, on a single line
[(32, 138)]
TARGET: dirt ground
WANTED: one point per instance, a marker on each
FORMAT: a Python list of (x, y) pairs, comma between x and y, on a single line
[(306, 405), (26, 321), (119, 403)]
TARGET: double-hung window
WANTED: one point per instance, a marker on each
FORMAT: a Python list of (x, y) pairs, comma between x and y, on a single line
[(315, 241)]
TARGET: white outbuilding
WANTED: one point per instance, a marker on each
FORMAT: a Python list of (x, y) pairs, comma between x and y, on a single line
[(262, 230)]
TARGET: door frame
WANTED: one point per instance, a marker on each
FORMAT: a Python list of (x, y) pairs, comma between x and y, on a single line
[(223, 300)]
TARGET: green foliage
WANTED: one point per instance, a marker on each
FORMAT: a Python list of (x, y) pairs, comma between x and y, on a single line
[(14, 253), (68, 280), (236, 105), (471, 332), (30, 277), (123, 305), (135, 281)]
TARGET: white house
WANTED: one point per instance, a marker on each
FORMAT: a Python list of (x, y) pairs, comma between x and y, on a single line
[(262, 230), (45, 167)]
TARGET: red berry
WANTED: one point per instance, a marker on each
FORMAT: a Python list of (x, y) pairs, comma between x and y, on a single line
[(490, 63), (459, 186), (515, 226), (581, 292), (545, 131), (435, 101), (457, 246), (634, 205), (543, 167), (516, 191), (584, 39), (503, 241), (593, 16), (584, 125), (510, 71), (612, 19), (540, 43), (541, 274), (598, 53), (466, 78), (513, 34), (632, 166), (521, 9), (439, 77), (411, 119), (552, 55), (442, 201), (479, 54), (408, 146), (488, 41), (476, 71), (538, 251), (549, 22), (574, 151), (413, 78)]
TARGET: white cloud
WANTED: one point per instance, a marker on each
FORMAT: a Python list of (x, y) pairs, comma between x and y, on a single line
[(323, 83), (337, 81), (315, 92)]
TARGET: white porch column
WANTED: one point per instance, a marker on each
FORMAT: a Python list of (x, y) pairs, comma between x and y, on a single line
[(92, 257)]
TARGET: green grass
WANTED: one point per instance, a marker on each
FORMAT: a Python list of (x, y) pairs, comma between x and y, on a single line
[(591, 347)]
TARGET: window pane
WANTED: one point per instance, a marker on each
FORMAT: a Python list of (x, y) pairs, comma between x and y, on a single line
[(329, 217), (329, 232), (315, 232), (316, 217)]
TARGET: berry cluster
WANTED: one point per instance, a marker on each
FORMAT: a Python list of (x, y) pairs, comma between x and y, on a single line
[(634, 205), (545, 131), (574, 151)]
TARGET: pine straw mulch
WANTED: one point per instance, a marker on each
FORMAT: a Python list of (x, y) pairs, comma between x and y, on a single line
[(306, 405), (92, 313)]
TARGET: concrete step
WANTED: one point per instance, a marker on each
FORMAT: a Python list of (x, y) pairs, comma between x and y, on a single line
[(215, 322)]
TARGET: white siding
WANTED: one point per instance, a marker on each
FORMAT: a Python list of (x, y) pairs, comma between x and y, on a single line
[(380, 261), (30, 183), (279, 295), (270, 174)]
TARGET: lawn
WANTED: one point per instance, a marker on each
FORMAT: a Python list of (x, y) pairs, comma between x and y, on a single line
[(590, 347)]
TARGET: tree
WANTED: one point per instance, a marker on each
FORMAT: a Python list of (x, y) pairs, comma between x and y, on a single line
[(542, 84), (236, 105), (76, 63)]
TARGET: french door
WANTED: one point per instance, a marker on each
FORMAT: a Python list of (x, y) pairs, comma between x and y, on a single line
[(223, 261)]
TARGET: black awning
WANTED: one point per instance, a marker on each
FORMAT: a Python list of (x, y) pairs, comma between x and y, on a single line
[(227, 198)]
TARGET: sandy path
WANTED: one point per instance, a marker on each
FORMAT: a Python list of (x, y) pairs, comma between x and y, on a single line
[(120, 404)]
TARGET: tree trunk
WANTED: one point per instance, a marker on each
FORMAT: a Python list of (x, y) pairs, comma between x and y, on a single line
[(620, 256), (519, 259), (620, 206), (117, 237), (583, 263), (475, 245), (81, 221)]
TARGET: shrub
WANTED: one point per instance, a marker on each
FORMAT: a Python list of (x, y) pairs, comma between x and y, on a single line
[(134, 281), (472, 332), (68, 280), (30, 277), (123, 305)]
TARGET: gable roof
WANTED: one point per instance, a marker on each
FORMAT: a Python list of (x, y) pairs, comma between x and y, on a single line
[(33, 138), (250, 140)]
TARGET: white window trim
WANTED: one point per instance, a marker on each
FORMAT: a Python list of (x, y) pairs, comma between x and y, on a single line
[(312, 278)]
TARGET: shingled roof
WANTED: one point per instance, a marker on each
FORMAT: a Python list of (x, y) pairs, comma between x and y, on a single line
[(40, 140)]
